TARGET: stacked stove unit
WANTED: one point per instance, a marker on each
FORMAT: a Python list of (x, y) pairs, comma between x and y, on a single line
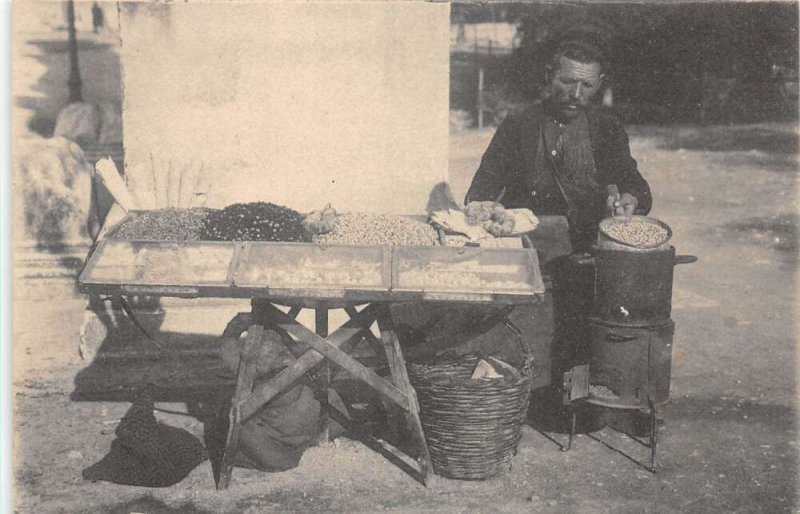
[(630, 347)]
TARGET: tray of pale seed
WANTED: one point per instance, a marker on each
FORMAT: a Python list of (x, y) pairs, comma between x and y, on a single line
[(159, 267), (466, 274), (315, 271)]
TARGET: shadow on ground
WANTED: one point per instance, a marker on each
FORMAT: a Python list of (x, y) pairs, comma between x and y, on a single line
[(49, 46), (733, 139), (152, 506), (778, 232)]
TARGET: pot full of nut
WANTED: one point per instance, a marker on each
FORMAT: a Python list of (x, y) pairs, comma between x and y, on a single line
[(633, 234)]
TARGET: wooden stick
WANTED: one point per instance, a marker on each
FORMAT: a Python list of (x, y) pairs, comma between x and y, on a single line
[(244, 386), (107, 172)]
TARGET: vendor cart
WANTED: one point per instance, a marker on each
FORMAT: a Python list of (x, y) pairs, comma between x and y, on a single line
[(362, 280)]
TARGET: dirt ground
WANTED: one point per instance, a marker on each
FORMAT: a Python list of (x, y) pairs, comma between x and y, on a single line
[(729, 442)]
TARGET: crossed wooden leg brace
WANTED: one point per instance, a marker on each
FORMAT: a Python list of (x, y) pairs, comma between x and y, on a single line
[(248, 400)]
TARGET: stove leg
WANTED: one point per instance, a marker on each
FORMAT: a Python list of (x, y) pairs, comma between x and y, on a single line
[(572, 425), (653, 433)]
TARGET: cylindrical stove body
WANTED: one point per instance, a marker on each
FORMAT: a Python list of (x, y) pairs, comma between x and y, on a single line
[(633, 288), (629, 367)]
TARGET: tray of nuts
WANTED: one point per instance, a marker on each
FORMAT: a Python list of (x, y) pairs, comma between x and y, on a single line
[(310, 270), (466, 274), (158, 267)]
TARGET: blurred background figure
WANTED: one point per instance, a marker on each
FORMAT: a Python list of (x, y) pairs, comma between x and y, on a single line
[(97, 18)]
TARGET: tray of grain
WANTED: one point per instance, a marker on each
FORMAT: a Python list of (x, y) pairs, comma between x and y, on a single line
[(304, 269), (466, 274), (153, 267)]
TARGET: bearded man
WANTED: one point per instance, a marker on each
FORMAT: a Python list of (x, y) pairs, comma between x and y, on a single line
[(569, 161)]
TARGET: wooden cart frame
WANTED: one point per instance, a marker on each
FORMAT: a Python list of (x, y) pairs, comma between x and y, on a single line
[(316, 348)]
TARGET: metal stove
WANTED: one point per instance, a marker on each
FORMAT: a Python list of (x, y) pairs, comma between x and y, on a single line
[(631, 334)]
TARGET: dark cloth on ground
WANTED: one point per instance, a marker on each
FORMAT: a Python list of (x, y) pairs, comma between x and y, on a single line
[(428, 329), (275, 438), (147, 453)]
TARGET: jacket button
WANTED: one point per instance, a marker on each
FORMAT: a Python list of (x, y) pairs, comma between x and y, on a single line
[(553, 152), (533, 193)]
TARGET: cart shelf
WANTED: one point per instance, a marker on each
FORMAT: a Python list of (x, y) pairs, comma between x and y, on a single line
[(255, 269)]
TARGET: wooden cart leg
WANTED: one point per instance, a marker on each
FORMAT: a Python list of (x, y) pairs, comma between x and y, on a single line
[(397, 365), (393, 416), (244, 386), (323, 382), (215, 415)]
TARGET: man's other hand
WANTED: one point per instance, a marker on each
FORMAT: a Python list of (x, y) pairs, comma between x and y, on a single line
[(627, 205)]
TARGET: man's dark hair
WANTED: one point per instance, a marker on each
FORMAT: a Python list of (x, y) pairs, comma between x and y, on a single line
[(579, 51), (583, 44)]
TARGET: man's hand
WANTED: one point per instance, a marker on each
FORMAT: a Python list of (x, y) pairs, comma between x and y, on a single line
[(620, 204), (627, 205)]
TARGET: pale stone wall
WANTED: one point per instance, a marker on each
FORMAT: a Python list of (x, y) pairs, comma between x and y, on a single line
[(298, 103)]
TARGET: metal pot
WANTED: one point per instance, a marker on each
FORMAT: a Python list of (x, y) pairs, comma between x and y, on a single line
[(609, 242), (634, 288)]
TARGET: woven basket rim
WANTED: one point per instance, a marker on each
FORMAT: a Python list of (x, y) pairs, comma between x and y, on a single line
[(456, 371)]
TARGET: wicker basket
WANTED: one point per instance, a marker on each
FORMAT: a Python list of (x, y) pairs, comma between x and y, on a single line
[(472, 426)]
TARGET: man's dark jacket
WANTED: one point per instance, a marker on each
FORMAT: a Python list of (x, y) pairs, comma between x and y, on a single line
[(510, 161)]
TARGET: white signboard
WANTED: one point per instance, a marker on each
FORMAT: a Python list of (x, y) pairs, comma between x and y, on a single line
[(297, 103)]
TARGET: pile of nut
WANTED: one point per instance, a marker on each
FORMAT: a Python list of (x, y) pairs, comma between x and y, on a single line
[(358, 228), (258, 221), (637, 233), (164, 225), (492, 216)]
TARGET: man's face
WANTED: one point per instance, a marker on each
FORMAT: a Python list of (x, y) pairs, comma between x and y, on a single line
[(573, 85)]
